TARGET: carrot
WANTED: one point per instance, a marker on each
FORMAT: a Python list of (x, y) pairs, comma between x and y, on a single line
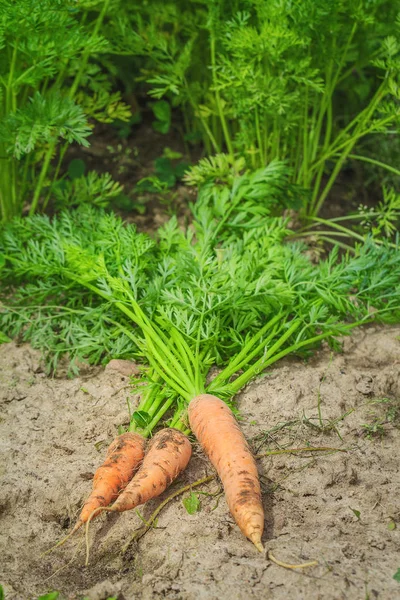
[(123, 458), (216, 428), (167, 456)]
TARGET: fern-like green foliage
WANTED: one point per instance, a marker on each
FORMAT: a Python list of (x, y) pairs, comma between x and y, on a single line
[(301, 81), (227, 291), (219, 167), (84, 285), (92, 188), (50, 85), (44, 120), (60, 316), (385, 219)]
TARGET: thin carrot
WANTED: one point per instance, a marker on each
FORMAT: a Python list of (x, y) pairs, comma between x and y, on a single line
[(216, 428), (124, 456), (167, 456)]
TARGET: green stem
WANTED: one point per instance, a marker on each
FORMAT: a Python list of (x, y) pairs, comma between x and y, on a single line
[(357, 123), (10, 97), (8, 192), (316, 206), (85, 57), (159, 364), (5, 185), (258, 366), (334, 225), (60, 159), (345, 231), (234, 364), (197, 112), (24, 178), (375, 162), (41, 180), (149, 396), (224, 125), (359, 132), (268, 360), (155, 343), (334, 151), (158, 416), (185, 352), (259, 138), (199, 384), (329, 90), (178, 422)]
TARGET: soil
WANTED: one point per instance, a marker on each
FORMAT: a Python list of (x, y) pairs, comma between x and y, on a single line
[(132, 159), (339, 508)]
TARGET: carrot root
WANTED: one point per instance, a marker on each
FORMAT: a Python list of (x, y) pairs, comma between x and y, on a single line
[(255, 537), (77, 526), (167, 456), (93, 514), (280, 563), (124, 456), (216, 428), (59, 543)]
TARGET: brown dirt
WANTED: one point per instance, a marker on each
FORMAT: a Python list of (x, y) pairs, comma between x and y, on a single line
[(53, 434), (132, 159)]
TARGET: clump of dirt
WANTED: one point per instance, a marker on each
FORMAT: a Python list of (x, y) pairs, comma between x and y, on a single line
[(337, 506)]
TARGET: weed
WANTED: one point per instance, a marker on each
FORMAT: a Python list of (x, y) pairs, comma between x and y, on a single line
[(356, 513), (191, 503), (378, 426), (396, 576)]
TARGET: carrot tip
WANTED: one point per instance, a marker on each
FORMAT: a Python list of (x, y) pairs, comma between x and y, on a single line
[(255, 538), (77, 526)]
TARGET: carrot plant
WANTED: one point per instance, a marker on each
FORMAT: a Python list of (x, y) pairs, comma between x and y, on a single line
[(228, 291), (51, 86), (302, 81), (214, 177)]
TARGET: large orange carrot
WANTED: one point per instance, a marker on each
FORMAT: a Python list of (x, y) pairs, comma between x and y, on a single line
[(167, 456), (216, 428), (124, 456)]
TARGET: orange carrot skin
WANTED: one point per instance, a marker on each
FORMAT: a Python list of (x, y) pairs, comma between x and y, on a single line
[(124, 456), (218, 432), (167, 456)]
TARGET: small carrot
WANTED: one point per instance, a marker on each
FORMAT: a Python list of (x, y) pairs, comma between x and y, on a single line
[(167, 456), (124, 456), (216, 428)]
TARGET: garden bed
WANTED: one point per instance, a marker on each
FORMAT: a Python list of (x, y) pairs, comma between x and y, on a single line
[(337, 508)]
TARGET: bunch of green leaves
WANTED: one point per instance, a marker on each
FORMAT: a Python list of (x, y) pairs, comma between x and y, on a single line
[(39, 246), (50, 86), (225, 292), (55, 313), (94, 188), (240, 197), (384, 219), (302, 81), (168, 170)]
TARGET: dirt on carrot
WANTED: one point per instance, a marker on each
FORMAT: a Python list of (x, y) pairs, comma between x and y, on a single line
[(167, 456), (124, 457), (218, 433), (337, 508)]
